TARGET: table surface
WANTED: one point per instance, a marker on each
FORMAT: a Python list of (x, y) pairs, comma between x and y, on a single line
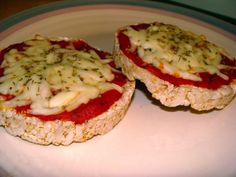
[(11, 7)]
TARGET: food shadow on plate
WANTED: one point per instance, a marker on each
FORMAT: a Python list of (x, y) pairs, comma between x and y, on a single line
[(141, 86), (4, 173)]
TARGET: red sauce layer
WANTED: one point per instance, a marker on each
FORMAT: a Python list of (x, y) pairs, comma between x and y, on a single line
[(84, 112), (209, 81)]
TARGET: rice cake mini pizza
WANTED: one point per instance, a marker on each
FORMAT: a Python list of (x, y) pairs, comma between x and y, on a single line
[(178, 67), (60, 91)]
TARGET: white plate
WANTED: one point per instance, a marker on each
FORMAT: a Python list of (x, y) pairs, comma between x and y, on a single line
[(151, 140)]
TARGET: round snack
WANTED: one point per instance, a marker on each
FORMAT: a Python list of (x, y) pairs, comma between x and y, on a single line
[(178, 67), (60, 91)]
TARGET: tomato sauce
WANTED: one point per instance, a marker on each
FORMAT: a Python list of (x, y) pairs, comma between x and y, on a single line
[(209, 81), (81, 114), (84, 112)]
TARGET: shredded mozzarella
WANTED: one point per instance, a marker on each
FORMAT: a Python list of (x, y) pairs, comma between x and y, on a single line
[(53, 79), (181, 52)]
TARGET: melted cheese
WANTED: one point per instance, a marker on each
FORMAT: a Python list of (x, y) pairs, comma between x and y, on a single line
[(53, 79), (177, 52)]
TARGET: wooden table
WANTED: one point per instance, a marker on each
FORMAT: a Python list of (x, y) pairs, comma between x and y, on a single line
[(11, 7)]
